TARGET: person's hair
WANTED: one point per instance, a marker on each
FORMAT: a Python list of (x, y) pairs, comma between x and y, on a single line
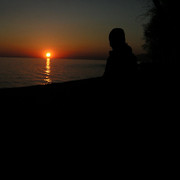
[(117, 37)]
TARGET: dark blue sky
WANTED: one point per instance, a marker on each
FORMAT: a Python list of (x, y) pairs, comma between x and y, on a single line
[(68, 27)]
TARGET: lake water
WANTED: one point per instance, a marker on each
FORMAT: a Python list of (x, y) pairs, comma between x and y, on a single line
[(20, 72)]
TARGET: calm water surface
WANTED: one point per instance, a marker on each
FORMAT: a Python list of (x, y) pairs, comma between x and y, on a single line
[(19, 72)]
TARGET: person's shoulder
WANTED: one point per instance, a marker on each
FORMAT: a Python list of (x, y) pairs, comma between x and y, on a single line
[(130, 51), (128, 48)]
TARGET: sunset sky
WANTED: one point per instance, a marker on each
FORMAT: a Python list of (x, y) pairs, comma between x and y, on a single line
[(68, 28)]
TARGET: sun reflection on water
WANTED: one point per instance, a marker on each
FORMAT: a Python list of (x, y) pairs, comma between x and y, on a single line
[(48, 71)]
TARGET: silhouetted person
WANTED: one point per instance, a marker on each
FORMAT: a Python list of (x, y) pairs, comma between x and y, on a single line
[(121, 62)]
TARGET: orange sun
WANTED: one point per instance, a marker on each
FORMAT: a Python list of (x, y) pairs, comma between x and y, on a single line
[(48, 54)]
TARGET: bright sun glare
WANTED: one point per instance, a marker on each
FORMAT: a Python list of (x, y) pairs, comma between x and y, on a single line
[(48, 54)]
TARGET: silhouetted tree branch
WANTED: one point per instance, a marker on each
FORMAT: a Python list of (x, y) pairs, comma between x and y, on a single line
[(157, 4), (162, 32)]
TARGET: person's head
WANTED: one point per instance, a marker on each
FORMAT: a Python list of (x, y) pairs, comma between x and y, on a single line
[(117, 38)]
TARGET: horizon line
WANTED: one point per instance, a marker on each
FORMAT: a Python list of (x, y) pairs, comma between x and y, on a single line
[(73, 57), (87, 58)]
